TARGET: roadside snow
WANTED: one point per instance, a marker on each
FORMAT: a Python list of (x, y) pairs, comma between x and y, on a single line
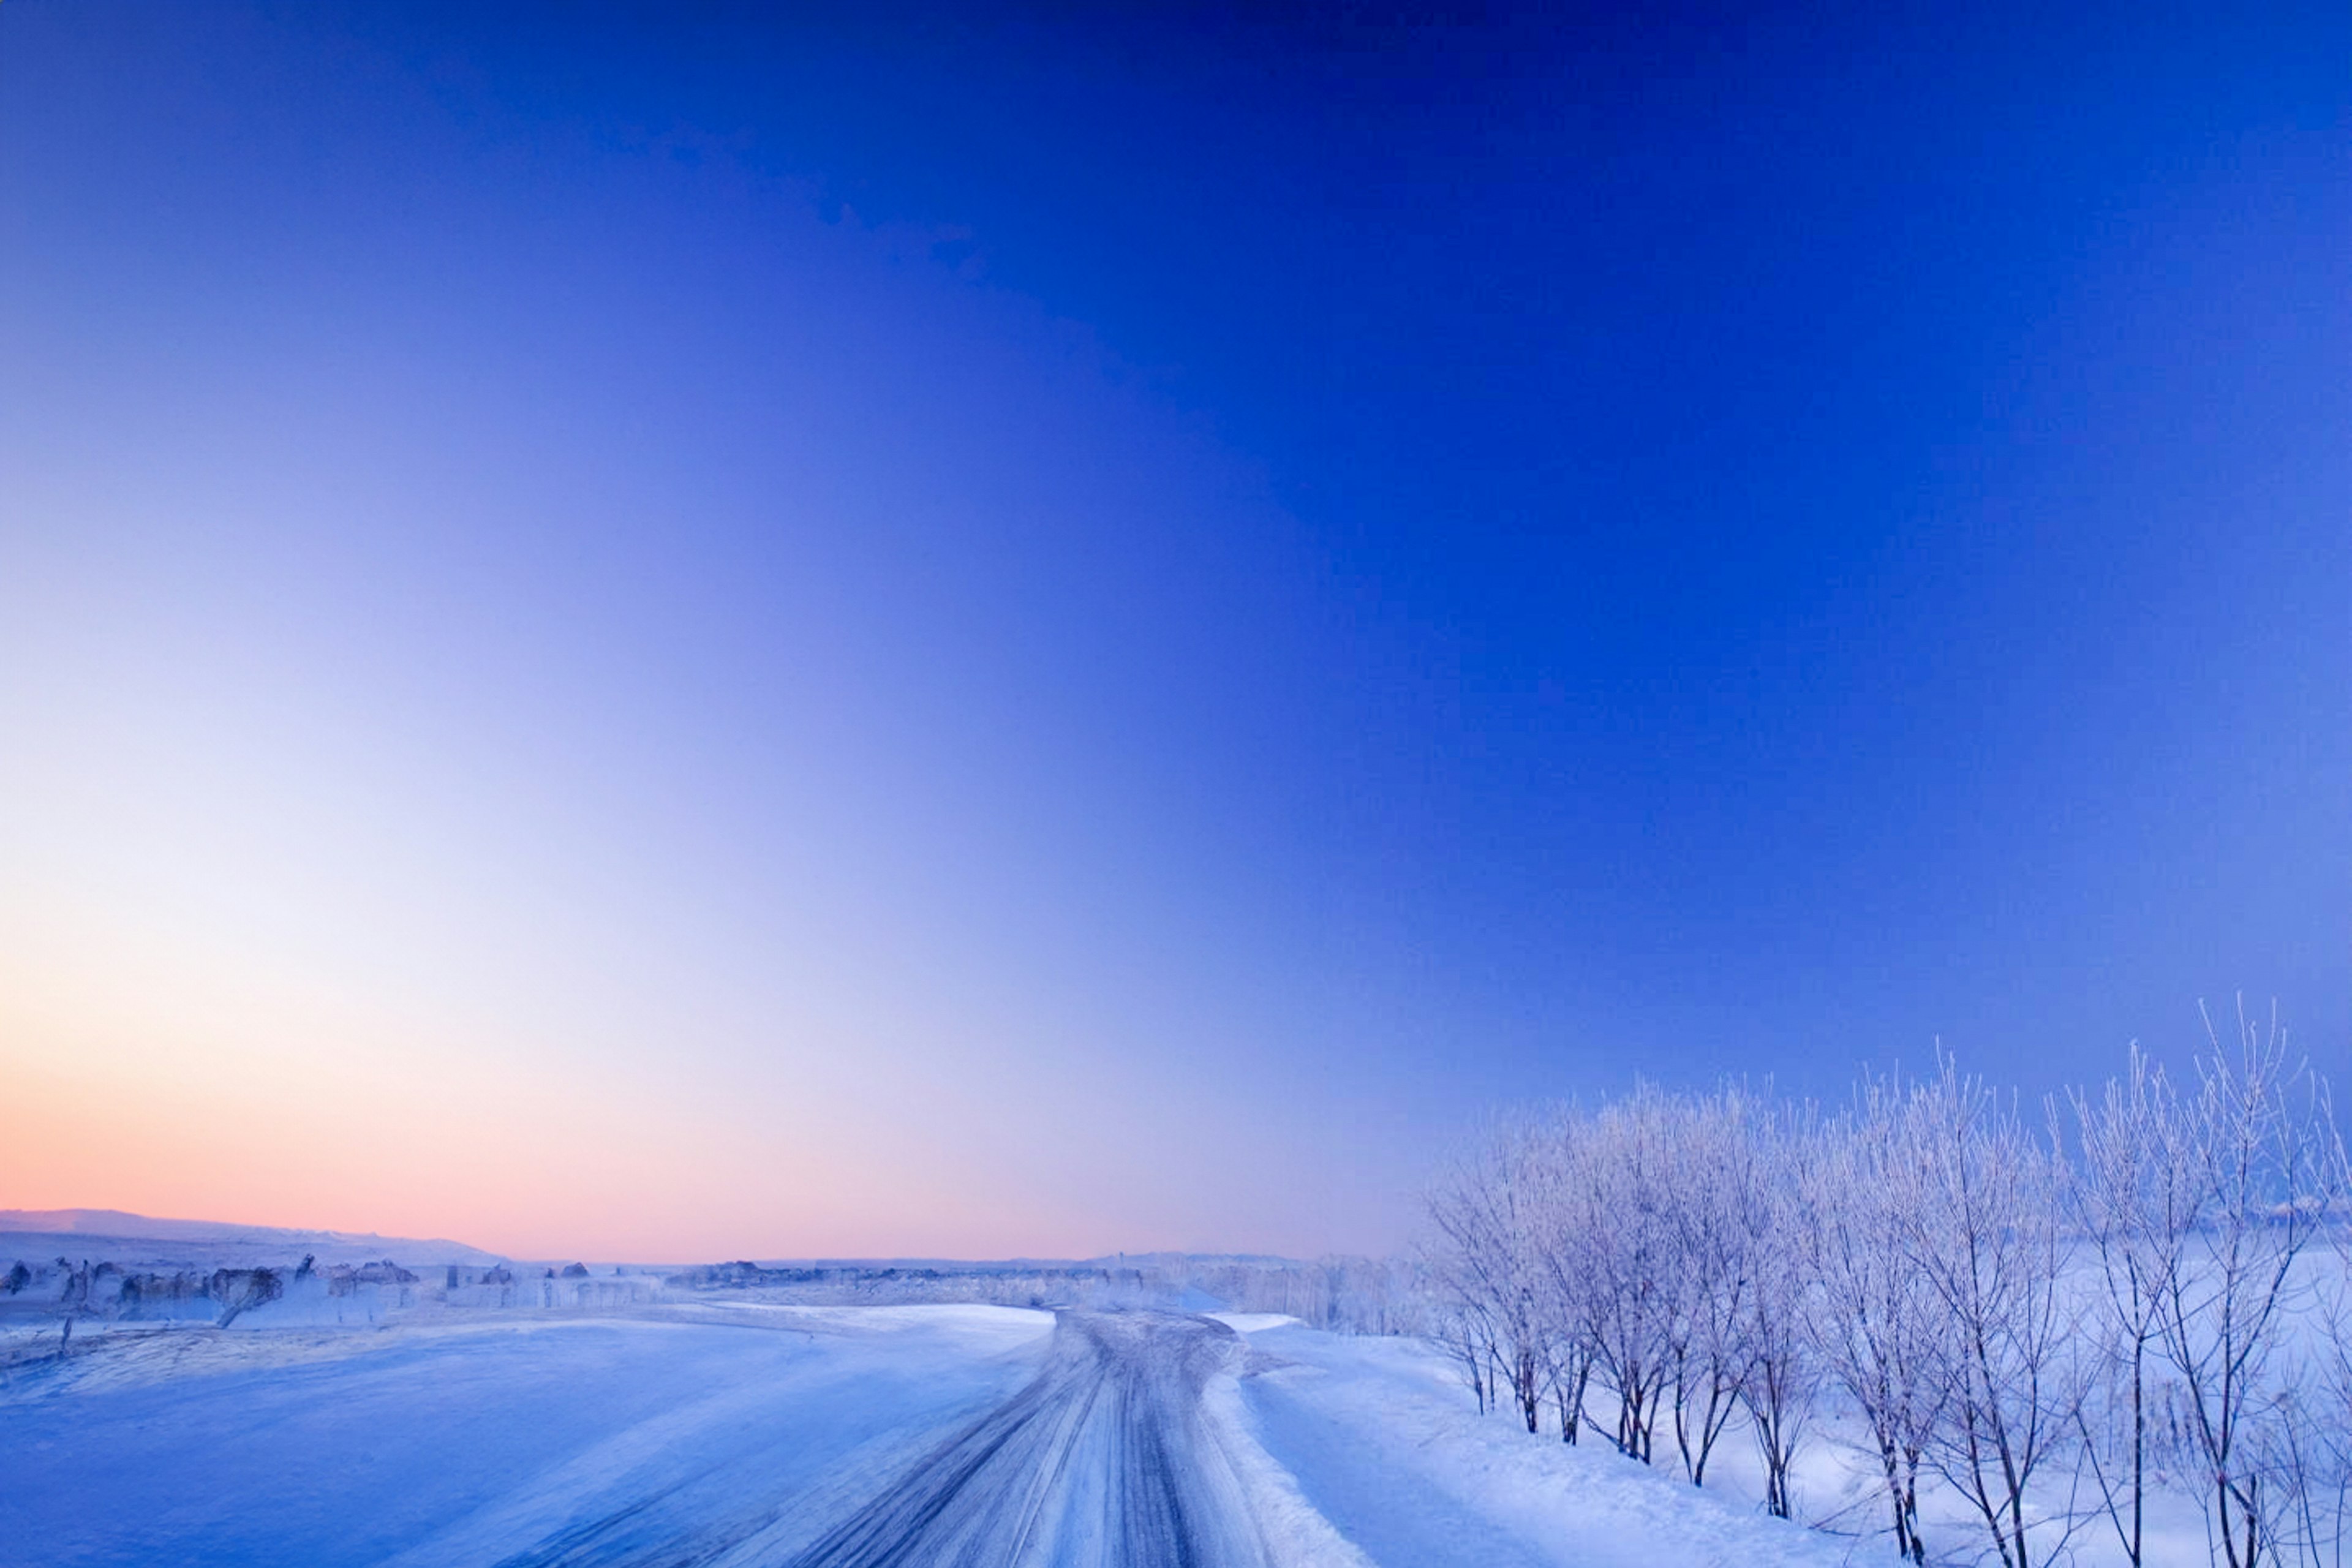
[(1292, 1533), (1382, 1443), (733, 1434)]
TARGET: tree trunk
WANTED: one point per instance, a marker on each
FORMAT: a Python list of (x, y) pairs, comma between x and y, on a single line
[(2140, 1449)]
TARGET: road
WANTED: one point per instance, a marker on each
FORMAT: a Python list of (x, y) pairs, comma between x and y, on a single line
[(1102, 1459)]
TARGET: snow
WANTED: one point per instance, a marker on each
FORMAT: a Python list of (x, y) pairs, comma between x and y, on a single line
[(1293, 1533), (736, 1432), (1384, 1444), (477, 1443)]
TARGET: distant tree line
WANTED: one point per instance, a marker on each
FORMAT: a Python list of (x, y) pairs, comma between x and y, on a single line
[(2048, 1318), (1351, 1294)]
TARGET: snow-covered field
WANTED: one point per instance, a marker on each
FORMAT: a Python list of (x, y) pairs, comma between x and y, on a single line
[(751, 1434)]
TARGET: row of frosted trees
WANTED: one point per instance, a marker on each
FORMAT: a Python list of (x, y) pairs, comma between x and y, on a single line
[(2048, 1321)]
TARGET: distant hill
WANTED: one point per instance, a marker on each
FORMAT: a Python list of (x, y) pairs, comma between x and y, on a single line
[(113, 1233)]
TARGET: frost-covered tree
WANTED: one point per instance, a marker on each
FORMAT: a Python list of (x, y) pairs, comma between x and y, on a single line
[(1625, 1263), (2136, 1213), (1715, 1217), (2252, 1153), (1982, 1218), (1875, 1330), (2319, 1442), (1459, 1325), (1565, 1217), (1487, 1214), (1977, 1300), (1783, 1373)]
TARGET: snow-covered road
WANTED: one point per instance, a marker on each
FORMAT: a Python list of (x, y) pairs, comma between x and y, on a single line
[(1103, 1458), (743, 1435)]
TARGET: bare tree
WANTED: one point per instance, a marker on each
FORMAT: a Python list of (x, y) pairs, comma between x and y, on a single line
[(1626, 1264), (1571, 1367), (2325, 1512), (1875, 1329), (2136, 1213), (1982, 1223), (1784, 1373), (1713, 1214), (2251, 1155), (1462, 1330), (1486, 1212), (1704, 1257), (1565, 1217)]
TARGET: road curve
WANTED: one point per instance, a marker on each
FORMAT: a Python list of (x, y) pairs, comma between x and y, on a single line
[(1103, 1460)]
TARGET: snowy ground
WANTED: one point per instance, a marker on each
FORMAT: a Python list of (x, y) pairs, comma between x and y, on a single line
[(776, 1436), (1381, 1439)]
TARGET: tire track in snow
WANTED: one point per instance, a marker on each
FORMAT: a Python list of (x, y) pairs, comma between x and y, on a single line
[(1105, 1458)]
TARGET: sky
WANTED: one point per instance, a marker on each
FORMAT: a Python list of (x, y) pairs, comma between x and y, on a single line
[(673, 632)]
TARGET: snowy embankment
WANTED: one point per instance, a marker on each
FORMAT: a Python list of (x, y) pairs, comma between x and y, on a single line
[(747, 1434), (1382, 1441)]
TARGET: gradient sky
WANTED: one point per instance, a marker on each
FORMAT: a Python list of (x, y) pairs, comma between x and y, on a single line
[(650, 632)]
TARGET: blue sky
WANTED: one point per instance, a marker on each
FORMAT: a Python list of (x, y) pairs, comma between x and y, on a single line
[(1028, 633)]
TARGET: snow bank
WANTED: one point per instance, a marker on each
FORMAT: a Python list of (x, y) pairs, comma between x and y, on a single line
[(1380, 1441), (1292, 1533)]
